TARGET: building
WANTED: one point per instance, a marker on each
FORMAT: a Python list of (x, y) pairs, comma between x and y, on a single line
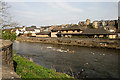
[(31, 31), (45, 28), (70, 31), (111, 29), (98, 33), (103, 23), (55, 31), (81, 23), (95, 24), (43, 34), (88, 21)]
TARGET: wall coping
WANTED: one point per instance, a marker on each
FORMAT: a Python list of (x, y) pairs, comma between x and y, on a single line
[(4, 43)]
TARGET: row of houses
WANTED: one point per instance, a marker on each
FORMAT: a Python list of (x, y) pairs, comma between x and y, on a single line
[(105, 29), (78, 31), (72, 31)]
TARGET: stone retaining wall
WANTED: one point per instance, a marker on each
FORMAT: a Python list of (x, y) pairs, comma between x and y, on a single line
[(75, 42)]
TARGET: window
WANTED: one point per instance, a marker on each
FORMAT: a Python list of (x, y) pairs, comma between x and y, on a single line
[(78, 30)]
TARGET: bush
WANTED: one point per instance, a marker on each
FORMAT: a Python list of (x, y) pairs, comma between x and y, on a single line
[(8, 35)]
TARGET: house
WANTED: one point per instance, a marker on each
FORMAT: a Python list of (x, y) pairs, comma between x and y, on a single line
[(95, 24), (98, 33), (103, 23), (19, 30), (37, 30), (43, 34), (55, 31), (46, 28), (70, 31), (81, 23), (88, 21), (118, 33), (29, 31), (111, 29)]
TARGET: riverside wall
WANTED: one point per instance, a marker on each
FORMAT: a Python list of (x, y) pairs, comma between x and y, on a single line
[(7, 64), (88, 42), (7, 52)]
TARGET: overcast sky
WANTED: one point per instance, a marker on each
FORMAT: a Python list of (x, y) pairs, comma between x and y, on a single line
[(55, 13)]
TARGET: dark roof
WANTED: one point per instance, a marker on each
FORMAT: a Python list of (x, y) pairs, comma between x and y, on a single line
[(72, 28), (33, 27), (56, 29), (29, 29), (18, 27), (37, 28), (96, 31), (45, 26), (69, 33), (44, 33), (68, 28), (88, 31)]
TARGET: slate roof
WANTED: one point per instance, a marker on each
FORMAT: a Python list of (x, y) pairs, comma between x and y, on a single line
[(96, 31), (72, 28), (29, 29), (87, 31), (68, 28), (56, 29), (18, 28), (44, 33)]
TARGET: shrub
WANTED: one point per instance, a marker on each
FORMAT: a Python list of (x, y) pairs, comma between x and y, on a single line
[(8, 35)]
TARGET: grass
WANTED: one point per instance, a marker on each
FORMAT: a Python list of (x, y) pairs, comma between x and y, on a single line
[(31, 71)]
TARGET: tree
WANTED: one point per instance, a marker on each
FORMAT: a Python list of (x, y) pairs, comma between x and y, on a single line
[(3, 13), (6, 19)]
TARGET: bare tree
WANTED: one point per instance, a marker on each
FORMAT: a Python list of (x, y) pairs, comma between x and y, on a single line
[(5, 18)]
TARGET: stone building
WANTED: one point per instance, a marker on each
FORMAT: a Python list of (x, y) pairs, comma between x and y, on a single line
[(88, 21), (111, 23), (43, 34), (55, 31), (95, 24), (70, 31), (98, 33), (81, 23), (103, 23)]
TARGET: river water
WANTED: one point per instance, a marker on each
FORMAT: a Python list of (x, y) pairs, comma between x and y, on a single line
[(80, 62)]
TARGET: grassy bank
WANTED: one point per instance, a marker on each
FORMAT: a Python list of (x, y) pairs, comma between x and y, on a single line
[(31, 71)]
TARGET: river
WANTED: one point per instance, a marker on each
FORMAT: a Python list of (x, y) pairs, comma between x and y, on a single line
[(80, 62)]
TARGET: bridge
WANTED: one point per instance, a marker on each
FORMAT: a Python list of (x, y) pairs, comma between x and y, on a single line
[(6, 61)]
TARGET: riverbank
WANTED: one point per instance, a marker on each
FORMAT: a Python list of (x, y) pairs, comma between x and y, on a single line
[(29, 70), (88, 42)]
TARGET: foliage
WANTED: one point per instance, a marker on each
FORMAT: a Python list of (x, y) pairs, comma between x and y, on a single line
[(29, 70), (8, 35)]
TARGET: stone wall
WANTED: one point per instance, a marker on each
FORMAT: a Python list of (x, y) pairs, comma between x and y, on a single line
[(7, 52), (89, 42)]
